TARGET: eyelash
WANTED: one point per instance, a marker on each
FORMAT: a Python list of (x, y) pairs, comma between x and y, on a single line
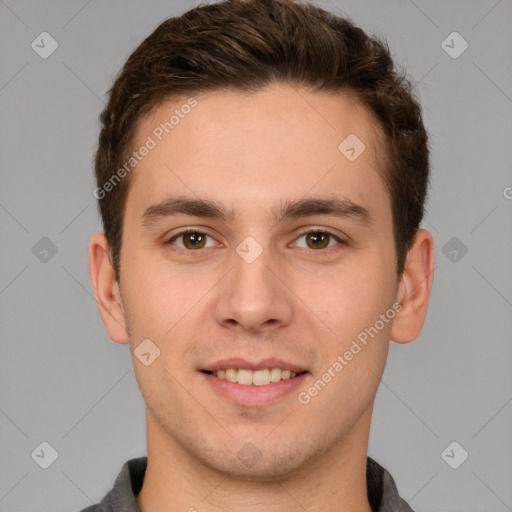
[(310, 231)]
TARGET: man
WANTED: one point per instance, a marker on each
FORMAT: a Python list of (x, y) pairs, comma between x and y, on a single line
[(261, 176)]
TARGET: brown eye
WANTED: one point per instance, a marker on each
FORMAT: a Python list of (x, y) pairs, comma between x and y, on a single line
[(317, 240), (194, 240)]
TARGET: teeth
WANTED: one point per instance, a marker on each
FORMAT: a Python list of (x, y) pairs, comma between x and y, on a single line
[(244, 377), (275, 375), (256, 378), (260, 377), (231, 374)]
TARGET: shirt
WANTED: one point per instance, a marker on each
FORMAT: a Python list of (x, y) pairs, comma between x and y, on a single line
[(382, 492)]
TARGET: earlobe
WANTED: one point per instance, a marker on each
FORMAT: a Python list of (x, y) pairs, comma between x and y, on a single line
[(414, 289), (106, 289)]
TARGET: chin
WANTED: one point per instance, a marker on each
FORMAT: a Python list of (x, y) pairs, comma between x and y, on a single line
[(262, 473), (267, 464)]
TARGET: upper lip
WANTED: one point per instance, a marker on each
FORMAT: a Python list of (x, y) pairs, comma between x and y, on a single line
[(243, 364)]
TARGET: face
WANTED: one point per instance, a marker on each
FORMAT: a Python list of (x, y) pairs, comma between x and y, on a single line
[(251, 242)]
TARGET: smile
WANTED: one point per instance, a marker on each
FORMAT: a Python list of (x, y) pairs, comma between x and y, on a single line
[(261, 377)]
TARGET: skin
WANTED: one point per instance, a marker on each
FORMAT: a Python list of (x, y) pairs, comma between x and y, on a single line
[(295, 301)]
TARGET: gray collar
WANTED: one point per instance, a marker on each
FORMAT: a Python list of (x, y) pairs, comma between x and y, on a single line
[(382, 491)]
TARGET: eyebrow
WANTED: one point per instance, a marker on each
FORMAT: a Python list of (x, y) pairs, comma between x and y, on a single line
[(289, 209)]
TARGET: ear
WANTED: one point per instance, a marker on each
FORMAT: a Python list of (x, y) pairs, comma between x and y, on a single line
[(414, 289), (106, 289)]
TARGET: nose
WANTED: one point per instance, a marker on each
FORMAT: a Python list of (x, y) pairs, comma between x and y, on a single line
[(253, 298)]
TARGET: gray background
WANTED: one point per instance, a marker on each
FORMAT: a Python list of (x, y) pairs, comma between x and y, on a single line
[(65, 382)]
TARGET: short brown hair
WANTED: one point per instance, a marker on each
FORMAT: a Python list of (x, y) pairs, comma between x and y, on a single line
[(245, 45)]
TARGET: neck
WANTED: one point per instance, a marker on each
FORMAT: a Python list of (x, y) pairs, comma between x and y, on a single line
[(177, 481)]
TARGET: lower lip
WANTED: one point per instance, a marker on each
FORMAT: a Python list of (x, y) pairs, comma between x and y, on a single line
[(254, 396)]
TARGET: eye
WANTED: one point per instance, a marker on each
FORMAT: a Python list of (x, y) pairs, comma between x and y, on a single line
[(318, 240), (192, 240)]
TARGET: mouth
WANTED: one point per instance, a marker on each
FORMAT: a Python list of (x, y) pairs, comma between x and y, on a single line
[(254, 384), (246, 377)]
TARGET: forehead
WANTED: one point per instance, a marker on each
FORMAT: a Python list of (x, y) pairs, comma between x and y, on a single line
[(242, 149)]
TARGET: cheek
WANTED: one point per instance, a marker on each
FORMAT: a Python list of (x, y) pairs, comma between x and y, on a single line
[(155, 295), (362, 338), (355, 298)]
